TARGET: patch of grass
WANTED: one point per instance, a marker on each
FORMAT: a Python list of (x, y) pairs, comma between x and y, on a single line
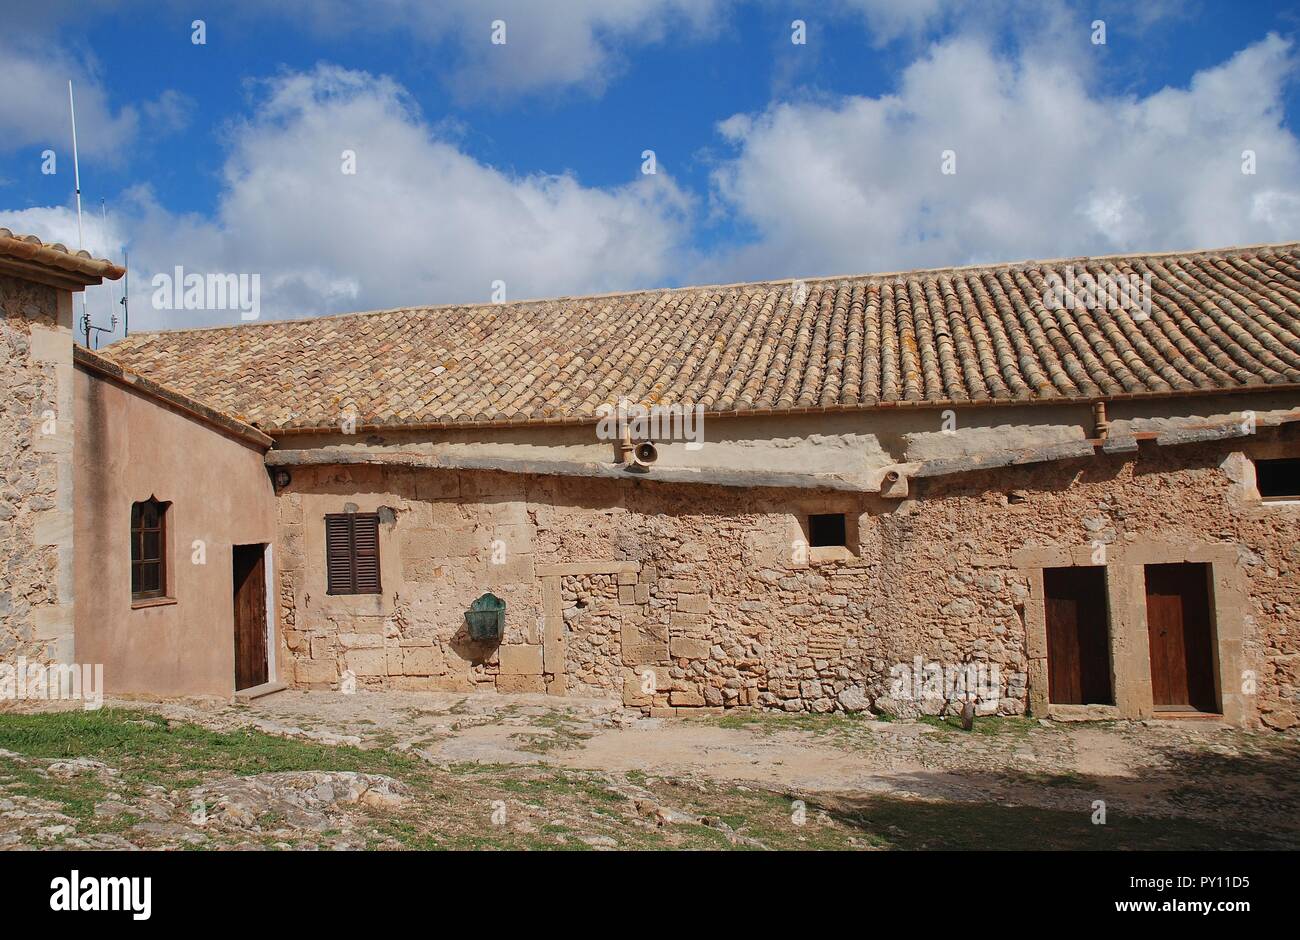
[(148, 750), (990, 724), (563, 733), (832, 723), (425, 743), (154, 750), (384, 739), (75, 796)]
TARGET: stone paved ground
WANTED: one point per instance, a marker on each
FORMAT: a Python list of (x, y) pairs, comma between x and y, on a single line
[(426, 770)]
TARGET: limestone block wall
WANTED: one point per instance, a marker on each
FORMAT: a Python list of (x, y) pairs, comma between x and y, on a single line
[(36, 588), (1167, 505), (703, 597)]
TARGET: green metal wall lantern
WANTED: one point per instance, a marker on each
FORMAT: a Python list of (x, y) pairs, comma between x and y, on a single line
[(486, 618)]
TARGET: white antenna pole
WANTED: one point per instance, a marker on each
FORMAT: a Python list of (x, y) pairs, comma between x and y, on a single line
[(103, 233), (76, 167), (76, 172)]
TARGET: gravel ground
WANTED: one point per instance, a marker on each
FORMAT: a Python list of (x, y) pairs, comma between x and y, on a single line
[(306, 770)]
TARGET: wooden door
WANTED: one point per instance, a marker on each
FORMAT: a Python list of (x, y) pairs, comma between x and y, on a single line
[(1181, 634), (1078, 636), (250, 616)]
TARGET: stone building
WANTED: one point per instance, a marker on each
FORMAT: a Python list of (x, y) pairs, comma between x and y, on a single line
[(1070, 487), (37, 284)]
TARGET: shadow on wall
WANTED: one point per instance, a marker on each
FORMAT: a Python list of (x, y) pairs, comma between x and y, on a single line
[(475, 652)]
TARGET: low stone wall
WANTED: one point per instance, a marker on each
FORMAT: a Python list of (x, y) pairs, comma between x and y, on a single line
[(703, 597), (36, 588)]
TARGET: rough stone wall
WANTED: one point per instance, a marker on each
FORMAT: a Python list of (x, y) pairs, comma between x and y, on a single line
[(689, 597), (35, 475), (963, 527), (436, 558)]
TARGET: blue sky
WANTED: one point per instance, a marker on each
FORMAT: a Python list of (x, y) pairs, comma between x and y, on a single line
[(522, 162)]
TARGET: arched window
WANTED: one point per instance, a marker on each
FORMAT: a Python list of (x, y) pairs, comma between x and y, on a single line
[(148, 549)]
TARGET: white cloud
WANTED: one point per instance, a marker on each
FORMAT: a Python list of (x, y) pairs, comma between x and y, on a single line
[(420, 222), (1047, 166), (170, 112), (890, 19), (1045, 23), (35, 70), (58, 224), (577, 43), (1044, 167), (34, 106)]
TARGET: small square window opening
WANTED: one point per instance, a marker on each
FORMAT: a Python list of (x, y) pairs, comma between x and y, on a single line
[(826, 530), (1278, 479)]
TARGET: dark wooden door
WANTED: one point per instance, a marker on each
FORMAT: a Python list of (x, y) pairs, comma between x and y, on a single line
[(1078, 636), (250, 616), (1181, 635)]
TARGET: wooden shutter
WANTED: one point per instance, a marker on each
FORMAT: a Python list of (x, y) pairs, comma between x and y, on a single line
[(365, 554), (338, 554), (352, 553)]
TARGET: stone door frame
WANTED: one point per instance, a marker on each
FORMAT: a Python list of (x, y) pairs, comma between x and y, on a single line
[(1130, 658)]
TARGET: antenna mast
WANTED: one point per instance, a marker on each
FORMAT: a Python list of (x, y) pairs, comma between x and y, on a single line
[(126, 290), (81, 240), (76, 173), (112, 317)]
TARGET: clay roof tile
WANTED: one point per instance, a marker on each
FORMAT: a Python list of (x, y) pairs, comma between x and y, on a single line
[(1217, 321)]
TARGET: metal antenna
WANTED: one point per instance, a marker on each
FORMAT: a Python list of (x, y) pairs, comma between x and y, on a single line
[(76, 173), (126, 291), (112, 319), (81, 239), (103, 221)]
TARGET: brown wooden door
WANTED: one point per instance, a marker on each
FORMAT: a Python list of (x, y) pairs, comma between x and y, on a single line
[(1078, 636), (250, 616), (1181, 635)]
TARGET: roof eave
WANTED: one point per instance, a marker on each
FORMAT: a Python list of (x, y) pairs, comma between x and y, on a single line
[(857, 408), (96, 363), (53, 265), (50, 277)]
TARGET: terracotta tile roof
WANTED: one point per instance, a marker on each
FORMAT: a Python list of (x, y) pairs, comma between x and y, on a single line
[(1219, 320), (80, 265), (93, 362)]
